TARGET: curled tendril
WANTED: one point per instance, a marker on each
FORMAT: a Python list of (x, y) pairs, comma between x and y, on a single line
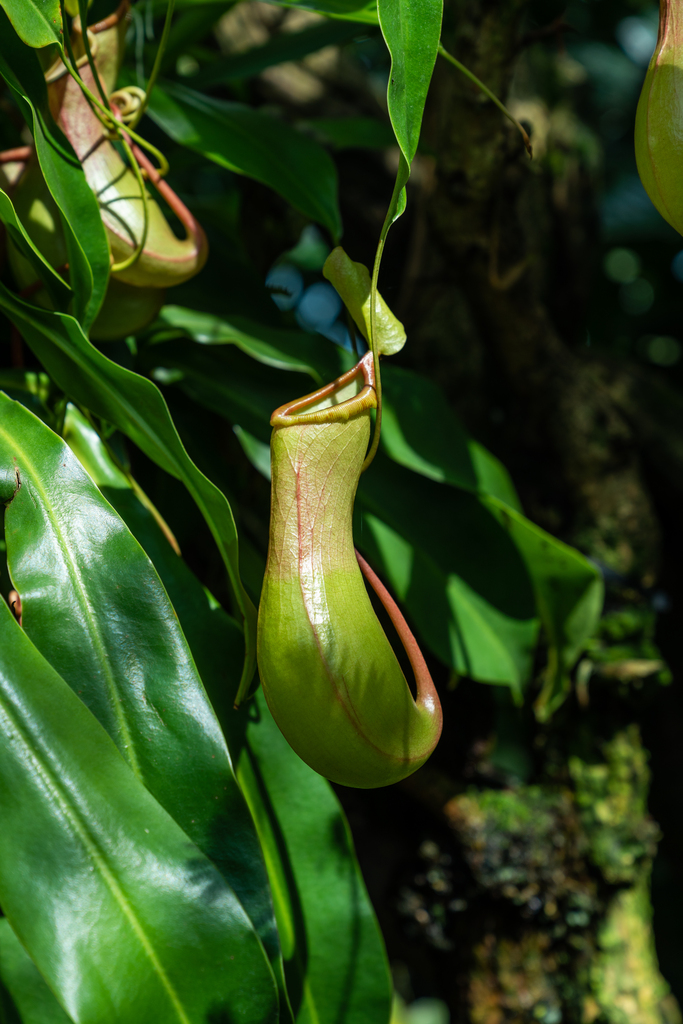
[(135, 99), (128, 101)]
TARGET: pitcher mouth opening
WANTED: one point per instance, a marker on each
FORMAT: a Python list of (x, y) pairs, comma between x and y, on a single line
[(349, 395)]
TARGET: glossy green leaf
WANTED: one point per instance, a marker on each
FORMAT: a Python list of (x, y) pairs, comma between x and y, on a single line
[(492, 477), (252, 143), (87, 247), (225, 380), (182, 758), (83, 841), (411, 29), (338, 972), (569, 594), (354, 10), (334, 955), (284, 47), (256, 451), (58, 290), (420, 432), (95, 608), (436, 547), (37, 22), (27, 988), (137, 408), (352, 282), (281, 349)]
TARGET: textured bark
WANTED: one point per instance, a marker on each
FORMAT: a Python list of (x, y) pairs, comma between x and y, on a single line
[(554, 897), (507, 265)]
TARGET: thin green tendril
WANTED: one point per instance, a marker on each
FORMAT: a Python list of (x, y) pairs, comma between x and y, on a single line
[(157, 63), (388, 221), (487, 92), (103, 113), (83, 10)]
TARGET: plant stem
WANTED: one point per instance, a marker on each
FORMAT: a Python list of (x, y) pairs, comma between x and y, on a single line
[(375, 354), (399, 184)]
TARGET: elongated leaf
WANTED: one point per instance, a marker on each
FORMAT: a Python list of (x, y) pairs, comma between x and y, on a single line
[(411, 29), (137, 408), (87, 247), (352, 282), (569, 594), (436, 546), (251, 143), (30, 994), (285, 47), (95, 608), (493, 478), (256, 451), (421, 433), (58, 290), (343, 974), (190, 773), (243, 389), (122, 914), (322, 900), (37, 22), (354, 10), (281, 349)]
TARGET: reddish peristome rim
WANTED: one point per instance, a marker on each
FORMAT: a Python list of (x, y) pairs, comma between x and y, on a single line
[(295, 412)]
